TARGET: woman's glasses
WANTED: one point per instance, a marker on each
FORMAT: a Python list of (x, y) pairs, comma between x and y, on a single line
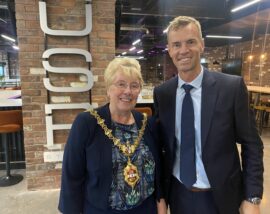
[(134, 86)]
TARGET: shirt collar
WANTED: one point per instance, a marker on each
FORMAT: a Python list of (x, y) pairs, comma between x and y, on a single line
[(196, 83)]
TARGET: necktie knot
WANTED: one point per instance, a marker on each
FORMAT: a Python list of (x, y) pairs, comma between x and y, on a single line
[(187, 87)]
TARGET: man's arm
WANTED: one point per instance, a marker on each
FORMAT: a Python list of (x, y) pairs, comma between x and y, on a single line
[(251, 149)]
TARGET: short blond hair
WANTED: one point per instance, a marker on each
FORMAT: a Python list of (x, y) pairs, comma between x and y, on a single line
[(128, 66), (182, 21)]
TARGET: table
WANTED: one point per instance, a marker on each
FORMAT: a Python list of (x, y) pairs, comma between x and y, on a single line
[(10, 98), (259, 89), (10, 94), (10, 102), (257, 105)]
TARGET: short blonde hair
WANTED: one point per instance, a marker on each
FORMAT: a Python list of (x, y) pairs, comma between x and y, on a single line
[(182, 21), (128, 66)]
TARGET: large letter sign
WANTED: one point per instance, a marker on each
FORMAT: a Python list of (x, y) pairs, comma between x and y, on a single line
[(72, 70), (50, 127), (47, 30)]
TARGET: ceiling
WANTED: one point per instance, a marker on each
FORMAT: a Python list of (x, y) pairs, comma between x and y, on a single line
[(146, 20), (7, 24)]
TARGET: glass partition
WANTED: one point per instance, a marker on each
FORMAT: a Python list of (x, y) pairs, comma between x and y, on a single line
[(231, 33)]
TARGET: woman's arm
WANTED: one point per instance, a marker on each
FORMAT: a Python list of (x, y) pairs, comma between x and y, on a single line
[(73, 168)]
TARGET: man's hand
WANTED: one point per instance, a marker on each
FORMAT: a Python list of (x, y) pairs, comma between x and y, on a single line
[(249, 208)]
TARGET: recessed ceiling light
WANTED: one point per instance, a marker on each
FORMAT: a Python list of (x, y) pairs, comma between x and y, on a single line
[(2, 20), (223, 37), (244, 5), (8, 38), (136, 42), (136, 9), (15, 47), (4, 7), (133, 48)]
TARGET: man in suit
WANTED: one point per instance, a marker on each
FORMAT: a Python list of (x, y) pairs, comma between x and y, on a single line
[(208, 177)]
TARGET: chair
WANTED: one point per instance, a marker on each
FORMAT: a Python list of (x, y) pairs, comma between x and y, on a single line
[(10, 122), (146, 110), (259, 111), (266, 116)]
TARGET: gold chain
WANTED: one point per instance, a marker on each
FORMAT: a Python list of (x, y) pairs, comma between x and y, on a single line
[(128, 149)]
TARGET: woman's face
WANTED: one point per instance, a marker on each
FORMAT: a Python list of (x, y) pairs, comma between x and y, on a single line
[(123, 93)]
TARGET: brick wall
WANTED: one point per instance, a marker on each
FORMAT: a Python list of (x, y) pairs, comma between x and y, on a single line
[(255, 57), (256, 70), (64, 15)]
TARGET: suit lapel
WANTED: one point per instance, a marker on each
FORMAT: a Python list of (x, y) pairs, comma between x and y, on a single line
[(170, 101), (209, 97)]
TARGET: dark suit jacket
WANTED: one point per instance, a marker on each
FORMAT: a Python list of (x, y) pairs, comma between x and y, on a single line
[(225, 121), (87, 163)]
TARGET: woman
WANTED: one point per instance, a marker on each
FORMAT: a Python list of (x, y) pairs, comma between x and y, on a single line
[(111, 161)]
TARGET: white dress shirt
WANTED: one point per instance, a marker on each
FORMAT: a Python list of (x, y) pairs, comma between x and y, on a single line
[(196, 95)]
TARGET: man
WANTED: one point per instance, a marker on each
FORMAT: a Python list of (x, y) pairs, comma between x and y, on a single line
[(200, 128)]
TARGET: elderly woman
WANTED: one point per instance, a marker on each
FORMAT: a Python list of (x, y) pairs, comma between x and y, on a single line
[(111, 160)]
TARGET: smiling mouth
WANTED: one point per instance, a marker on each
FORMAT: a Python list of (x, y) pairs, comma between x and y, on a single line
[(184, 60), (126, 99)]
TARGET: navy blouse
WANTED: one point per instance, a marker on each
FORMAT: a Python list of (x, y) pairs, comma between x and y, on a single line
[(123, 196)]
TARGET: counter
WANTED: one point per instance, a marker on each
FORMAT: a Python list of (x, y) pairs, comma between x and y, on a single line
[(259, 89), (10, 102), (10, 98)]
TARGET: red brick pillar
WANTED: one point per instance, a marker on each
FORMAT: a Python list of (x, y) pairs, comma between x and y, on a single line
[(62, 15)]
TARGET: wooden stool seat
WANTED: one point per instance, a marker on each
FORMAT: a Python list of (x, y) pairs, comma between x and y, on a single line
[(10, 128), (10, 121), (146, 110)]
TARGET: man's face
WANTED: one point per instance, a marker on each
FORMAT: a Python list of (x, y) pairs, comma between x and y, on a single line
[(185, 46)]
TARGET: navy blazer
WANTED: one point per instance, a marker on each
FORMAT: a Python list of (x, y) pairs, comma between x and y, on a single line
[(87, 162), (225, 121)]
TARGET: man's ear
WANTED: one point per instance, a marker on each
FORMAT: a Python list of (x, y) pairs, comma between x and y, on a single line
[(108, 94), (202, 48), (169, 50)]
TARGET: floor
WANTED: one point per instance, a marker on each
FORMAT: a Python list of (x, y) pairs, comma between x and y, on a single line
[(17, 199)]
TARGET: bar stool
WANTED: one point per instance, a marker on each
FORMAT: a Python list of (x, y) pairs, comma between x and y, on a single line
[(146, 110), (266, 116), (259, 111), (10, 121)]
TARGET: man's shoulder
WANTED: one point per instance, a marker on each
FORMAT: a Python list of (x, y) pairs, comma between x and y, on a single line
[(167, 84), (222, 76)]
